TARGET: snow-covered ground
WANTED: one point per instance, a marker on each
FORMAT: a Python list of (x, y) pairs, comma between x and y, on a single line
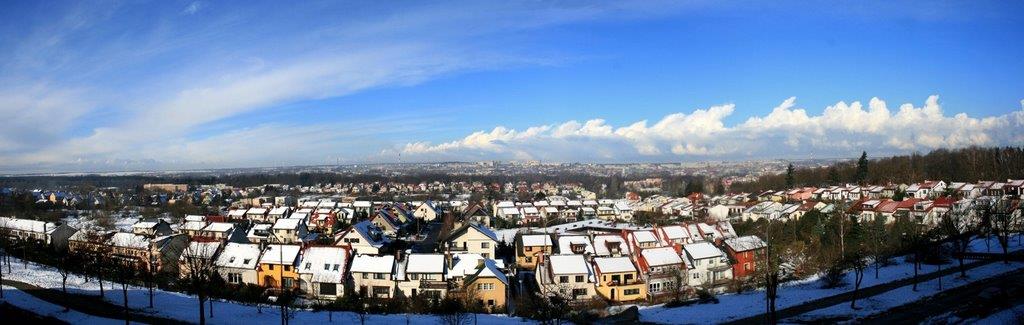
[(737, 306), (184, 307), (906, 294), (40, 307)]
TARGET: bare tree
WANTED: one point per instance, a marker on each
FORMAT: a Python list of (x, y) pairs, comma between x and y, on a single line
[(125, 270), (64, 265), (857, 263), (198, 266), (956, 225), (1001, 217)]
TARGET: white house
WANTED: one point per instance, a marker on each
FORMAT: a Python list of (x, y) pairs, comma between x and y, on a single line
[(708, 265), (373, 276), (322, 271), (237, 263)]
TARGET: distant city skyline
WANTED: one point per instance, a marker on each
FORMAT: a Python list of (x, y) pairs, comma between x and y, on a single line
[(172, 85)]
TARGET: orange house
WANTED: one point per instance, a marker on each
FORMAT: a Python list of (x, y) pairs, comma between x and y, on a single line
[(277, 267)]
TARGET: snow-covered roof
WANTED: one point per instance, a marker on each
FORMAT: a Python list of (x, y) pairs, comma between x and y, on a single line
[(530, 210), (280, 254), (675, 232), (510, 211), (614, 264), (27, 225), (129, 240), (424, 263), (144, 225), (568, 264), (370, 233), (201, 249), (256, 211), (219, 227), (702, 250), (237, 213), (565, 244), (466, 264), (290, 224), (326, 264), (745, 243), (279, 211), (536, 240), (601, 243), (661, 256), (193, 225), (645, 236), (550, 210), (238, 255), (490, 270), (373, 264), (193, 217)]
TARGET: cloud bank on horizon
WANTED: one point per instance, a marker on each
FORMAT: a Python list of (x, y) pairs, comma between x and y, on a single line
[(159, 85), (787, 131)]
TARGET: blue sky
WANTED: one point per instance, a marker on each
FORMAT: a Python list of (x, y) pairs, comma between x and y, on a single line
[(198, 84)]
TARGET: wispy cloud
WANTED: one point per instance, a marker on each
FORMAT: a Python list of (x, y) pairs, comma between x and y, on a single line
[(193, 7), (787, 131)]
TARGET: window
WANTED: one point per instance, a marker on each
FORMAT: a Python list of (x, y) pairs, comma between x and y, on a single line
[(563, 279), (485, 245), (490, 302), (529, 249), (378, 276), (579, 292), (287, 282), (655, 287), (414, 276), (271, 266), (327, 267), (696, 262), (381, 291), (336, 266), (235, 278), (486, 255), (366, 276), (485, 286), (629, 277), (631, 291), (529, 259), (696, 275), (429, 277), (328, 289), (579, 278)]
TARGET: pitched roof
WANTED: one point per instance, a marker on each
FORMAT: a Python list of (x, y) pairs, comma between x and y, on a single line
[(568, 264), (702, 250), (238, 255), (614, 264), (661, 256), (745, 243), (324, 263), (280, 254), (373, 264)]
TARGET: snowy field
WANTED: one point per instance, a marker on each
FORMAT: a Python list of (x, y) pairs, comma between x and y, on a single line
[(737, 306), (904, 295)]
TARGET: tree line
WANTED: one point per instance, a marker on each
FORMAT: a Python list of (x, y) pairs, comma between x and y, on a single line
[(966, 164)]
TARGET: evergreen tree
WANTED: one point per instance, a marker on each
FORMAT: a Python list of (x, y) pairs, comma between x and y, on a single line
[(833, 175), (789, 176), (862, 168)]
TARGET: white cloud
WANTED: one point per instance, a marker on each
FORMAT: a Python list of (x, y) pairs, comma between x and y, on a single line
[(841, 129)]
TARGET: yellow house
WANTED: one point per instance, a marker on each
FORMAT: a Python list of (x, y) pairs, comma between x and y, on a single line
[(487, 286), (277, 267), (529, 249), (618, 279)]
